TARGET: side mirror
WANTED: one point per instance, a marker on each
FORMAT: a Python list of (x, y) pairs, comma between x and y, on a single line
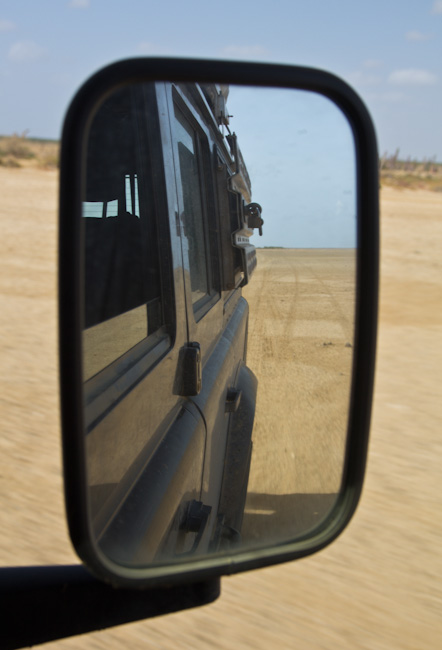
[(215, 396)]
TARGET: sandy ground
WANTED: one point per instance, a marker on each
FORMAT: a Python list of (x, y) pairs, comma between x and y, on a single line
[(301, 329), (378, 586)]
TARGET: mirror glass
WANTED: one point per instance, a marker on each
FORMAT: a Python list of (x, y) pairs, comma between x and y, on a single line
[(219, 230)]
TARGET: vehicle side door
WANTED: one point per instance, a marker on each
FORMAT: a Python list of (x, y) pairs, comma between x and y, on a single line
[(216, 319), (145, 443)]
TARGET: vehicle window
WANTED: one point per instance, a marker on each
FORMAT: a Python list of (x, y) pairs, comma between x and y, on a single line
[(123, 302), (192, 219)]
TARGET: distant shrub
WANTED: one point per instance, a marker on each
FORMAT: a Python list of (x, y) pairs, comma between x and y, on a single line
[(18, 150), (410, 174), (16, 146), (49, 159), (9, 162)]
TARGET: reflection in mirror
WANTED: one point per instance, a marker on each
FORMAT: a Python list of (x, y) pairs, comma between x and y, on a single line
[(217, 363)]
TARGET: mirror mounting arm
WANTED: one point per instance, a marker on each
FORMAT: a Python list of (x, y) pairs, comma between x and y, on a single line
[(79, 603)]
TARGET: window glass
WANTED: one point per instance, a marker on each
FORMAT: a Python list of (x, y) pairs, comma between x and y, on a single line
[(107, 341), (123, 302), (192, 219)]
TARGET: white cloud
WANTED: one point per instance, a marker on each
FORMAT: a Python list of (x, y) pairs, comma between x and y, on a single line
[(362, 78), (392, 97), (244, 51), (437, 7), (412, 77), (6, 26), (372, 64), (389, 97), (26, 51), (146, 48), (417, 36), (79, 4)]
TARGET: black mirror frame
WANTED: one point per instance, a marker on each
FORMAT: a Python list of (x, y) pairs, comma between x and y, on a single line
[(75, 127)]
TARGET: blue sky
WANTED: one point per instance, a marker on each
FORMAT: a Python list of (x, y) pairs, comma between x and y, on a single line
[(299, 152), (389, 50)]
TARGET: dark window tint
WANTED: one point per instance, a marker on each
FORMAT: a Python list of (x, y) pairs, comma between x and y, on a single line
[(193, 217), (122, 272)]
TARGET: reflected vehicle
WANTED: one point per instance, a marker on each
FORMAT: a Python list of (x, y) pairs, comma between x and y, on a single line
[(169, 400), (214, 390), (172, 353)]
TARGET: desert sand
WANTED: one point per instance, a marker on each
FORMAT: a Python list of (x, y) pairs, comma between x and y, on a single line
[(300, 346), (378, 586)]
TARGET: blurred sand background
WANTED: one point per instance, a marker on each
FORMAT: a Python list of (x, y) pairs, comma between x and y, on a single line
[(379, 585)]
